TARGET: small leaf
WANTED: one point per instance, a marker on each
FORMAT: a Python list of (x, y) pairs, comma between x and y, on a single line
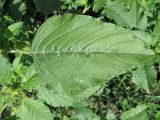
[(110, 115), (98, 4), (157, 29), (54, 99), (18, 8), (5, 71), (2, 2), (157, 116), (31, 80), (65, 118), (34, 110), (157, 49), (129, 17), (137, 113), (139, 19), (13, 30), (16, 65), (145, 77), (83, 112), (32, 83), (80, 3), (119, 13), (47, 6)]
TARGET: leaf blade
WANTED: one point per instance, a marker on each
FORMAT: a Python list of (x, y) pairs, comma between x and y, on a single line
[(145, 77), (135, 113), (5, 71), (34, 110), (70, 53)]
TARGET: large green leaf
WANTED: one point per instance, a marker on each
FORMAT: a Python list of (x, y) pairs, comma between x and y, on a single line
[(137, 113), (47, 6), (34, 110), (76, 53), (5, 71)]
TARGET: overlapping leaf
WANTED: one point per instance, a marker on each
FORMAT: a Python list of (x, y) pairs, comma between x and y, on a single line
[(76, 53), (31, 80), (5, 71), (157, 29), (34, 110), (98, 4), (2, 2), (47, 6), (137, 113), (83, 112), (13, 30), (129, 17), (18, 8), (145, 77)]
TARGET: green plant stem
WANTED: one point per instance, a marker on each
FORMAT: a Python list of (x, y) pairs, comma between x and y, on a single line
[(22, 52), (1, 109), (2, 89)]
